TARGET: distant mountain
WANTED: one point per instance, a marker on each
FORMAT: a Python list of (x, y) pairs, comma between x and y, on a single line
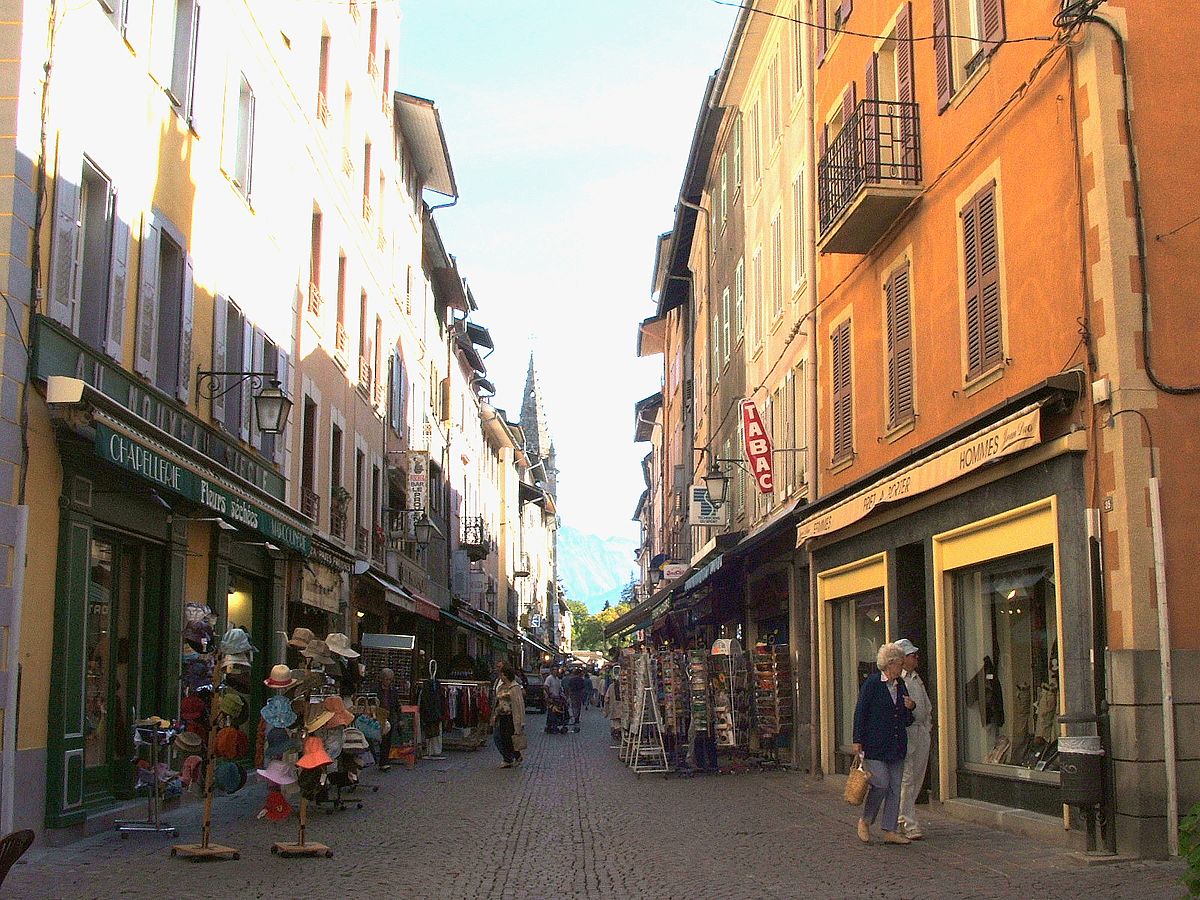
[(594, 568)]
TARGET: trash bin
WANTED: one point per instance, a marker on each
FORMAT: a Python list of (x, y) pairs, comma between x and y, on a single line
[(1081, 760)]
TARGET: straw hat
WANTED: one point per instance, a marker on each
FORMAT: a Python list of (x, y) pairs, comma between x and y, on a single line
[(188, 742), (301, 638), (318, 652), (318, 722), (281, 678), (340, 644)]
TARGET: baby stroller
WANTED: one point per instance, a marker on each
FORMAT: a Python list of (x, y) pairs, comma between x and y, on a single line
[(556, 715)]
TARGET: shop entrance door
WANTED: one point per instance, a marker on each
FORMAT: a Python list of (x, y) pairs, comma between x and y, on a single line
[(859, 628), (113, 647)]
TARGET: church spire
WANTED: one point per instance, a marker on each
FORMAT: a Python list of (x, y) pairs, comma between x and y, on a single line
[(533, 418)]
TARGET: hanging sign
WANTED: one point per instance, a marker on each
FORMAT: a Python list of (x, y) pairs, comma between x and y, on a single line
[(702, 511), (418, 487), (758, 448)]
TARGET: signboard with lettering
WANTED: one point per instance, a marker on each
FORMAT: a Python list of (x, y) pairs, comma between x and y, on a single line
[(702, 511), (418, 480), (321, 587), (758, 448), (1015, 433), (157, 467), (674, 570)]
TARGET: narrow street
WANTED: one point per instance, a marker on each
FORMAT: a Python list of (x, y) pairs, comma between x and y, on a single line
[(572, 822)]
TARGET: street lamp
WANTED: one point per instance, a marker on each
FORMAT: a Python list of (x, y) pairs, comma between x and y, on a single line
[(271, 404), (716, 483), (423, 529)]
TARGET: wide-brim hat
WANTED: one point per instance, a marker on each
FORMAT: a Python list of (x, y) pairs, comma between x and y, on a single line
[(315, 754), (189, 742), (354, 739), (278, 772), (229, 777), (332, 738), (305, 681), (320, 720), (155, 722), (280, 678), (301, 638), (341, 715), (277, 807), (278, 712), (340, 644), (236, 641), (232, 703), (318, 651), (278, 742)]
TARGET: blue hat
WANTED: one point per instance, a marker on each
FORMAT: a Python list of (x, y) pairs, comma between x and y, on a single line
[(229, 777), (278, 712), (279, 742)]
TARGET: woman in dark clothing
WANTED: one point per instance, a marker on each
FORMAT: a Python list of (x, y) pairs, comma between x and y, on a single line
[(881, 720)]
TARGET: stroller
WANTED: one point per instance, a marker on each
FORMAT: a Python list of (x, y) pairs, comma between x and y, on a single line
[(556, 715)]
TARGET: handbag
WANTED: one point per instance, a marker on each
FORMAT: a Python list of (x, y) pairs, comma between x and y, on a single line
[(857, 783), (520, 741)]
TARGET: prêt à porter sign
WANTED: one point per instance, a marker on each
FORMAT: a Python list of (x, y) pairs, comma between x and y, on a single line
[(134, 456), (758, 448)]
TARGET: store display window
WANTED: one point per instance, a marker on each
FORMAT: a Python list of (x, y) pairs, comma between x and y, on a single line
[(1007, 662), (859, 628)]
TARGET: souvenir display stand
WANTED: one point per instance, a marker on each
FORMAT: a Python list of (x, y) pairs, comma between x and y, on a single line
[(467, 717), (301, 847), (628, 705), (772, 697), (730, 694), (698, 689), (391, 651), (647, 753), (671, 674), (157, 735)]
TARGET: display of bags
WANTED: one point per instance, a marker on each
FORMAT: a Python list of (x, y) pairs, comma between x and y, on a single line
[(857, 783)]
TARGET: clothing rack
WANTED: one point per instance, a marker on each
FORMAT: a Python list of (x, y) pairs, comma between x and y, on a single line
[(472, 733), (154, 738)]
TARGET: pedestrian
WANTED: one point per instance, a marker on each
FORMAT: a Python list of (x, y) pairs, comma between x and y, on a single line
[(508, 716), (555, 701), (575, 687), (612, 703), (881, 720), (919, 732), (597, 693), (389, 699)]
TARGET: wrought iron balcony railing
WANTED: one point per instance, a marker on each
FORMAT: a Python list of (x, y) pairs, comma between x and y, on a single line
[(868, 175), (362, 540), (475, 538), (339, 338), (337, 519), (310, 503), (314, 299)]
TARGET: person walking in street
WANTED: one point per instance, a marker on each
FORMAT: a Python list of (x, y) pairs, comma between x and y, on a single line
[(575, 686), (508, 716), (555, 701), (917, 758), (612, 704), (597, 689), (389, 699), (881, 721)]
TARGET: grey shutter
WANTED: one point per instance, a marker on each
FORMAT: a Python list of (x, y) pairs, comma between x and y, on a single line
[(970, 229), (942, 64), (183, 383), (64, 274), (844, 11), (118, 286), (991, 331), (870, 118), (283, 369), (219, 356), (256, 365), (843, 398), (394, 390), (247, 366), (145, 357), (822, 36), (904, 93), (993, 23), (899, 346)]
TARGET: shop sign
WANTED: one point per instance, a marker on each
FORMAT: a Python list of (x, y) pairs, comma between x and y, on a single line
[(321, 587), (418, 485), (758, 448), (152, 465), (702, 511), (1016, 433), (673, 571), (327, 557)]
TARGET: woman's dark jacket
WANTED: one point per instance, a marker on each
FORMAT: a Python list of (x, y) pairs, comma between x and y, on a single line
[(879, 724)]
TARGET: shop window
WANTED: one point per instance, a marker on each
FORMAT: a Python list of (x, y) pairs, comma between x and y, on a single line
[(1008, 685), (859, 629)]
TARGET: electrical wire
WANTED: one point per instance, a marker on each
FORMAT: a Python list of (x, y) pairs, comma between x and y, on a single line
[(1177, 228), (878, 37)]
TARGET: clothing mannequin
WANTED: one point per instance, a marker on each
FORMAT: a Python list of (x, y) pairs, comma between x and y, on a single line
[(431, 714)]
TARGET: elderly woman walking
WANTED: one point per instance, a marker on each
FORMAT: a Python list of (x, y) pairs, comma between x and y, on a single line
[(508, 717), (881, 720)]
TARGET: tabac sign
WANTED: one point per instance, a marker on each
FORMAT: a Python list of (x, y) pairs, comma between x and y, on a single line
[(758, 448)]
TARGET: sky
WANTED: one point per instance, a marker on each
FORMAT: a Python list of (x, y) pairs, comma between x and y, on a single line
[(568, 124)]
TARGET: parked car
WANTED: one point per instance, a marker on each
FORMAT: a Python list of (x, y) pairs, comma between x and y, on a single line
[(535, 692)]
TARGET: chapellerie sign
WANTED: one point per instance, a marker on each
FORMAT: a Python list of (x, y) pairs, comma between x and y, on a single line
[(134, 456)]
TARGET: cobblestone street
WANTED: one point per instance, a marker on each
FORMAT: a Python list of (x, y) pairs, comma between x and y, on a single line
[(572, 822)]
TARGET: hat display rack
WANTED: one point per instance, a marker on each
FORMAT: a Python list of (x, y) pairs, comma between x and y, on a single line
[(156, 734)]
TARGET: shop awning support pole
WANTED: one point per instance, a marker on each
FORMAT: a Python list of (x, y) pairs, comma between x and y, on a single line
[(814, 669), (12, 667), (1164, 664)]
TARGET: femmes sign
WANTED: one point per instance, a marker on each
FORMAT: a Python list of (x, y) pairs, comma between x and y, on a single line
[(758, 447)]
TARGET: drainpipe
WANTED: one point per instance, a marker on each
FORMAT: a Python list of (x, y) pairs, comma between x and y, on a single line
[(12, 668), (1164, 663)]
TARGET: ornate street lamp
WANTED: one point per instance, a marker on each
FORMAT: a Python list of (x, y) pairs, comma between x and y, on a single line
[(271, 404)]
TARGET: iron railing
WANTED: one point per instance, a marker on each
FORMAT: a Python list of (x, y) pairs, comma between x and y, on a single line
[(379, 545), (362, 540), (339, 338), (314, 299), (310, 503), (880, 145), (337, 518)]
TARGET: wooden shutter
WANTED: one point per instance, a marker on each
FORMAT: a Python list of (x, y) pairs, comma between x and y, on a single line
[(899, 347), (64, 273), (993, 23), (991, 325), (822, 35), (118, 286), (904, 93), (849, 101), (137, 25), (843, 398), (183, 383), (283, 446), (870, 124), (970, 230), (844, 11), (145, 358), (248, 365), (220, 359), (942, 63)]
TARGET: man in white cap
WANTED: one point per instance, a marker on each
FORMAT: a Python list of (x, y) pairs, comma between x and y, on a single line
[(919, 731)]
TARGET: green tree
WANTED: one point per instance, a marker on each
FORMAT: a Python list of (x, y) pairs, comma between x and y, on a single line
[(586, 632)]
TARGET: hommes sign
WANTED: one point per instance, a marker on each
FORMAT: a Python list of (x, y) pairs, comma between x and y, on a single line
[(758, 448)]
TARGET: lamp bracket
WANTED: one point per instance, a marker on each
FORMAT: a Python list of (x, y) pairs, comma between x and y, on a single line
[(208, 382)]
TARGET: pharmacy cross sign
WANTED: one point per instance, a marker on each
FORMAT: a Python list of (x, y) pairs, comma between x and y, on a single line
[(758, 447)]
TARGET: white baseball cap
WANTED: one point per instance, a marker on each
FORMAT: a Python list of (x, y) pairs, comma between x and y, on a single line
[(907, 646)]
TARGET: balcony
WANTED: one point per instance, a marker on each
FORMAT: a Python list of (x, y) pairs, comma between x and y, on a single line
[(364, 376), (368, 210), (379, 546), (377, 394), (314, 300), (310, 503), (475, 540), (869, 175), (337, 518), (339, 338), (322, 109), (362, 541)]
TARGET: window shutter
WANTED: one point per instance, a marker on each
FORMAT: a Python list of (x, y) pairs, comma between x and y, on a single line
[(844, 11), (739, 282), (849, 101), (118, 287), (970, 228), (219, 356), (146, 352), (64, 275), (870, 122), (185, 333), (991, 327), (993, 23), (843, 412), (904, 89), (208, 86), (899, 338), (248, 364), (258, 364), (162, 41), (822, 35), (393, 388), (283, 446), (137, 25), (941, 54)]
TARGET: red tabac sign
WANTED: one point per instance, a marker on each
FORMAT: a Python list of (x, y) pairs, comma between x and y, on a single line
[(758, 447)]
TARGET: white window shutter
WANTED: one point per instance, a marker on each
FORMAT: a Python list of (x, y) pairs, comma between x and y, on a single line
[(118, 287), (219, 357), (394, 385), (258, 365), (283, 444), (64, 273), (137, 25), (208, 88), (185, 333), (162, 41), (247, 362), (146, 354)]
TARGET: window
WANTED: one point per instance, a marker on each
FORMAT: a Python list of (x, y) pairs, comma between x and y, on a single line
[(335, 457), (244, 159), (387, 78), (798, 36), (377, 358), (233, 351), (777, 265), (174, 327), (739, 306), (832, 16), (715, 338), (183, 60), (737, 152), (773, 91), (1007, 662), (340, 336), (366, 182), (364, 347), (724, 189), (308, 458), (798, 255), (755, 144), (314, 255), (397, 411), (756, 300), (373, 38), (323, 81), (800, 436), (362, 503), (843, 395), (981, 269), (898, 317), (978, 29), (725, 320), (859, 629), (93, 257)]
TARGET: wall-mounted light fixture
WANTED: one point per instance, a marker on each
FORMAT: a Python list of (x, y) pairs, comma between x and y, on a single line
[(271, 404)]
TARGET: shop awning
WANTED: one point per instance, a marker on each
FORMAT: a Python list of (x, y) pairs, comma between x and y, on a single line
[(538, 645), (704, 574), (642, 612), (477, 627), (400, 596)]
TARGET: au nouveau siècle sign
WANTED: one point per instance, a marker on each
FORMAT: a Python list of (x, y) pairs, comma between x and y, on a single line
[(134, 456)]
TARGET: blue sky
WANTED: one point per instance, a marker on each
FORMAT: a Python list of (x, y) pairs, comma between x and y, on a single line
[(568, 125)]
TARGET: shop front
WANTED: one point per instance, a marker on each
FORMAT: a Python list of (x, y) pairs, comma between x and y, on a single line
[(321, 602), (989, 576)]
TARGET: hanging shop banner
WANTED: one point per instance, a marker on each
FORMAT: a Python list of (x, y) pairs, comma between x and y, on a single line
[(137, 456), (321, 586), (1019, 431), (702, 511), (758, 448), (418, 479)]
